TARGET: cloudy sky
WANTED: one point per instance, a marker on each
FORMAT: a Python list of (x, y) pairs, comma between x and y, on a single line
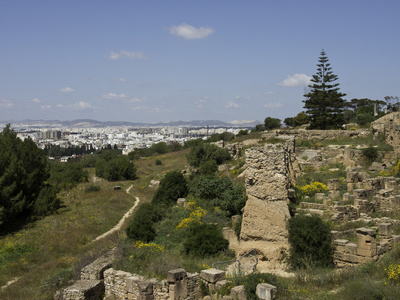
[(149, 61)]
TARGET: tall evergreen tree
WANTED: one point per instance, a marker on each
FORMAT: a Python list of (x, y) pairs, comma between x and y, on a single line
[(324, 103)]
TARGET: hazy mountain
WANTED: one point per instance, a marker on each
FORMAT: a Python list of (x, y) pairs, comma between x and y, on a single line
[(83, 123)]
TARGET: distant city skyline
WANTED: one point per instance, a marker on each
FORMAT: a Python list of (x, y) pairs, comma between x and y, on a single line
[(158, 61)]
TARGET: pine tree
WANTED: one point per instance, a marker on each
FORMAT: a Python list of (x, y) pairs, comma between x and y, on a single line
[(324, 103)]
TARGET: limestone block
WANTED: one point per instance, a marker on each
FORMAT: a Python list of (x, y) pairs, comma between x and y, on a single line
[(236, 219), (348, 197), (396, 239), (385, 193), (212, 275), (334, 194), (385, 229), (237, 293), (131, 283), (396, 202), (181, 202), (333, 184), (319, 196), (84, 289), (352, 177), (366, 242), (340, 244), (360, 194), (350, 186), (266, 291), (351, 258), (220, 284), (176, 275), (350, 248)]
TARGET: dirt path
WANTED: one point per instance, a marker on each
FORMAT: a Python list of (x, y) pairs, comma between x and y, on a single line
[(121, 222)]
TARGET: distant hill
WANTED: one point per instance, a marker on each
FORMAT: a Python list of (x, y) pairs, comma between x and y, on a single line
[(86, 123)]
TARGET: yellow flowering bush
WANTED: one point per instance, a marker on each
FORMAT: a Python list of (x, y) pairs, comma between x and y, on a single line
[(393, 172), (195, 217), (312, 189), (393, 273), (153, 247)]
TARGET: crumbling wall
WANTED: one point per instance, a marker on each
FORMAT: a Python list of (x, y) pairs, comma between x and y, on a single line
[(268, 175)]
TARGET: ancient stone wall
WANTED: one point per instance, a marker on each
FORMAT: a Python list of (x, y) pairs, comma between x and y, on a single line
[(321, 134), (268, 175), (389, 127), (366, 248)]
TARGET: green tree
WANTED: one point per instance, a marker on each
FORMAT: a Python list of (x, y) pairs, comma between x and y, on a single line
[(172, 187), (324, 103), (205, 152), (301, 118), (23, 172), (272, 123)]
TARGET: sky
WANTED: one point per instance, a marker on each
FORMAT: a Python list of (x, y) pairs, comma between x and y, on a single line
[(152, 61)]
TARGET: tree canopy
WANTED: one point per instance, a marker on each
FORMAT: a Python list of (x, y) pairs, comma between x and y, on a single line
[(324, 103), (23, 173)]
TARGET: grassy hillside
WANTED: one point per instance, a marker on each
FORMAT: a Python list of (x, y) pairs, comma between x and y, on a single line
[(49, 252)]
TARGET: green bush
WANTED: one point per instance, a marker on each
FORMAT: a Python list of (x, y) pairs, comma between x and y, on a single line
[(141, 227), (205, 240), (158, 162), (92, 188), (115, 168), (172, 187), (206, 152), (208, 168), (310, 242), (370, 153)]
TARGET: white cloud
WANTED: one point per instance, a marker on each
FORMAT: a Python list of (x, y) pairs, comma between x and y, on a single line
[(189, 32), (200, 103), (242, 98), (121, 97), (296, 80), (269, 93), (66, 90), (76, 106), (127, 54), (123, 80), (45, 107), (231, 104), (273, 105), (36, 100), (5, 103)]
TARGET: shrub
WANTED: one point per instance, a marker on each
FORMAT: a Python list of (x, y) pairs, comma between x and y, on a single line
[(206, 152), (272, 123), (115, 168), (205, 240), (370, 153), (311, 242), (92, 188), (158, 162), (172, 187), (312, 189), (141, 227), (209, 167)]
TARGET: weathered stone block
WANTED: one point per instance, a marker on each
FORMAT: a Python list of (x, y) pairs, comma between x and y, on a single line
[(220, 284), (212, 275), (350, 248), (351, 258), (385, 229), (333, 184), (131, 283), (237, 293), (334, 194), (84, 289), (340, 244), (360, 194), (176, 275), (266, 291), (181, 202)]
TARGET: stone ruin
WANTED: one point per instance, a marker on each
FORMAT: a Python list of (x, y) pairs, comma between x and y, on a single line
[(99, 279), (367, 248), (268, 175)]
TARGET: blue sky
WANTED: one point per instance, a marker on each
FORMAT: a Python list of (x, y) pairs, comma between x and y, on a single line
[(150, 61)]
